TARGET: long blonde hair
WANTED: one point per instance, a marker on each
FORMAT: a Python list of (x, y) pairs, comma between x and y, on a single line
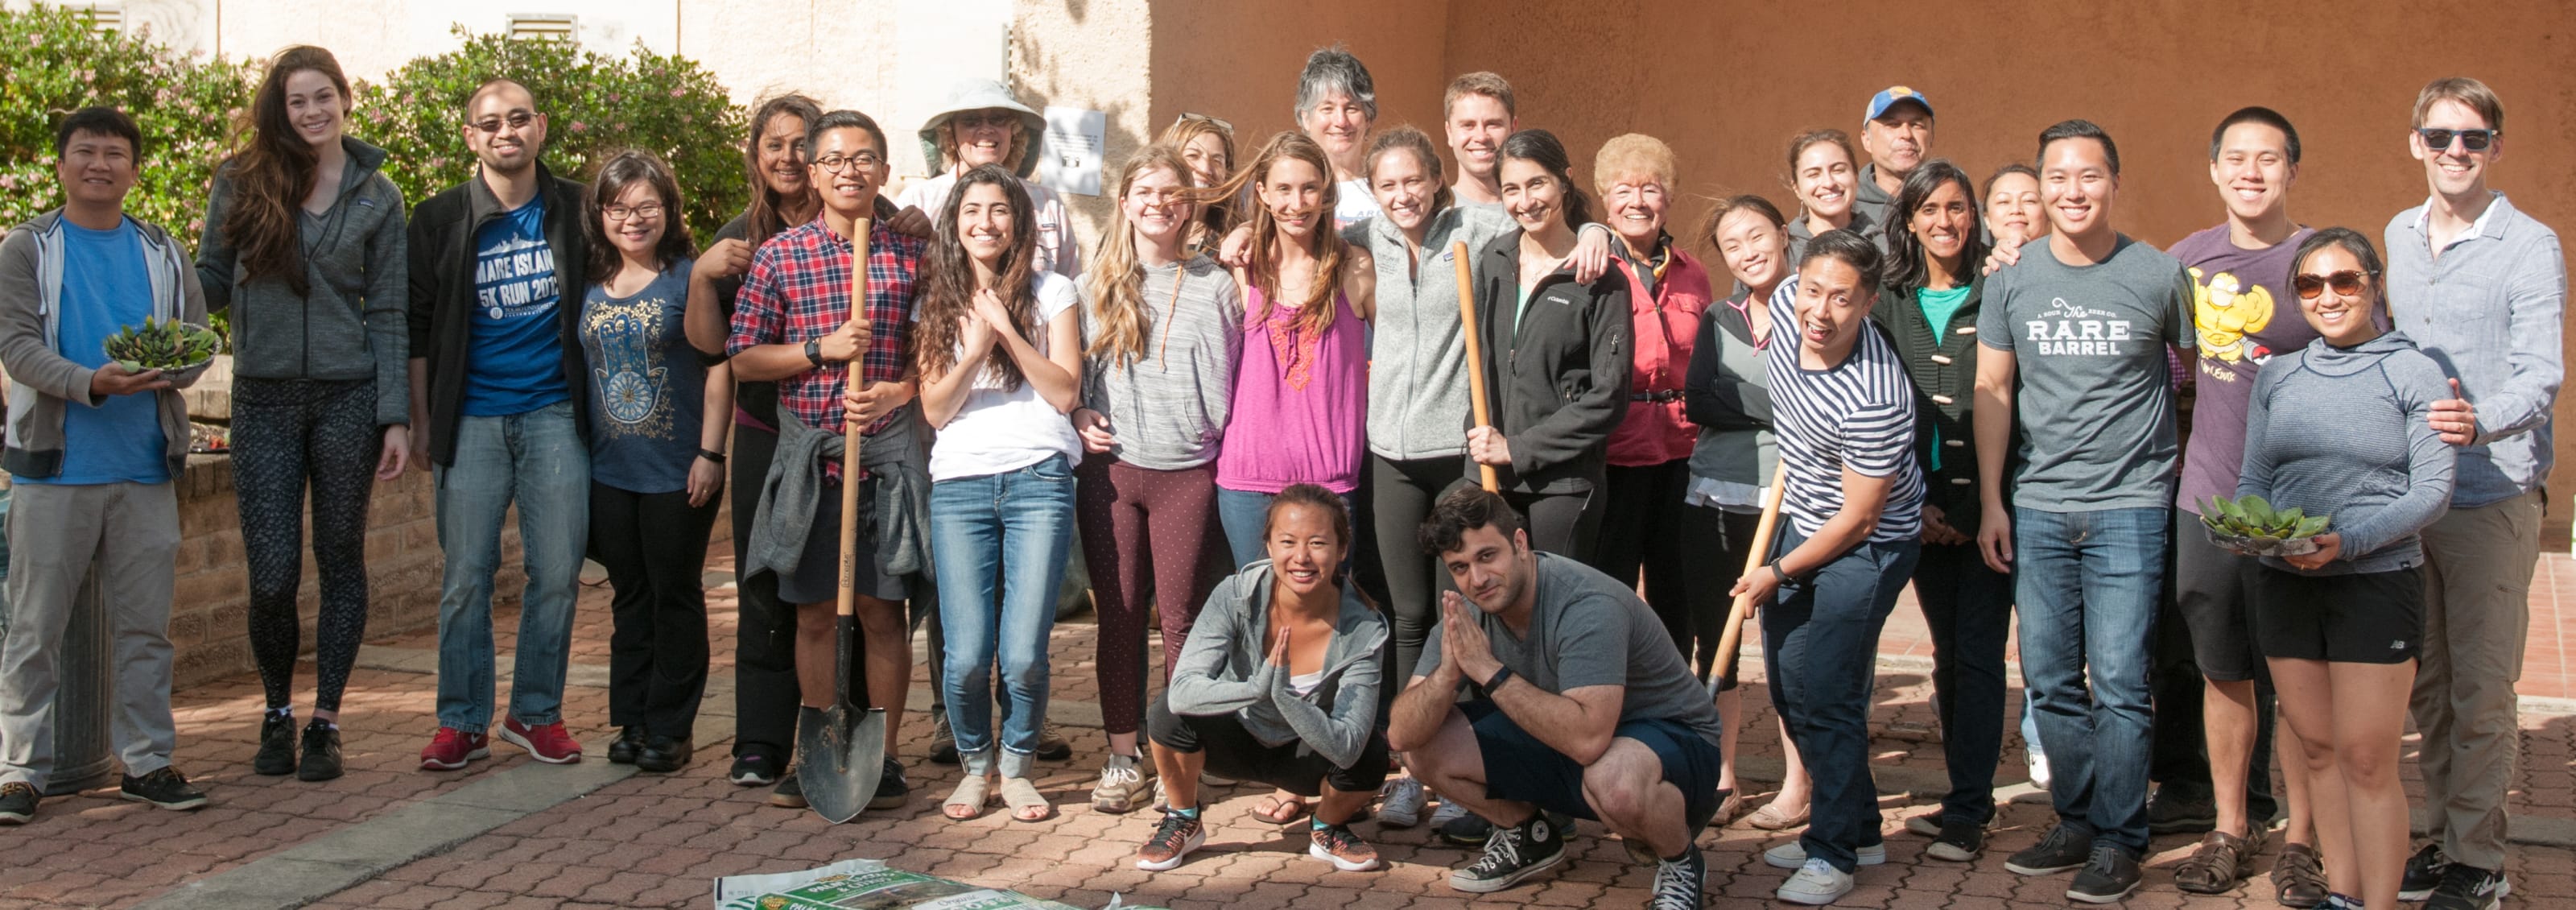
[(1315, 313), (1114, 282)]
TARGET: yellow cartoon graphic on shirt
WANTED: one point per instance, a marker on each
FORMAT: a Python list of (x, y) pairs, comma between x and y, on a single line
[(2225, 311)]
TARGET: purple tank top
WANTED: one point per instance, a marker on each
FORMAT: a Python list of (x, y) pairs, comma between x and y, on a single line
[(1300, 403)]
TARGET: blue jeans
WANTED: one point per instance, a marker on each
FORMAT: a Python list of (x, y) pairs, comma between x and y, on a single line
[(1820, 639), (1000, 543), (2089, 584), (1245, 516), (539, 461)]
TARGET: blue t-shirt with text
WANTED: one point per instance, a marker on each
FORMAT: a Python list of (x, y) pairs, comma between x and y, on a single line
[(106, 288), (514, 363)]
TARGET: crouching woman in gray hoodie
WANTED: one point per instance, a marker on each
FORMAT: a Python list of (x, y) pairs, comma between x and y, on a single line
[(1279, 685), (2339, 429)]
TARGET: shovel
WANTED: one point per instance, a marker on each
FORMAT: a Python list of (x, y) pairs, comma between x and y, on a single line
[(1753, 559), (844, 744)]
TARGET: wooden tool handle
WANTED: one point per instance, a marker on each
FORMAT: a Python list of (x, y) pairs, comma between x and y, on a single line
[(850, 436), (1475, 352), (1753, 559)]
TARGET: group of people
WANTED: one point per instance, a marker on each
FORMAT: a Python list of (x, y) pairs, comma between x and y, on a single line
[(1252, 395)]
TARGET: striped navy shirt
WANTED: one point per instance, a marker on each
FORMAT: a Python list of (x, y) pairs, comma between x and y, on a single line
[(1859, 414)]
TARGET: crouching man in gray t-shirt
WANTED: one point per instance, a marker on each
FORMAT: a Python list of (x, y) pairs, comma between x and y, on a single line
[(1583, 706)]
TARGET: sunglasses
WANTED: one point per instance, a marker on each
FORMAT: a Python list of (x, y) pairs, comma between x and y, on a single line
[(2473, 140), (518, 120), (2347, 283), (1220, 124)]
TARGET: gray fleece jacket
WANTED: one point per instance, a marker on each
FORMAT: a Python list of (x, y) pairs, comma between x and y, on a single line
[(1224, 669), (42, 382), (1167, 408), (351, 323), (2341, 432)]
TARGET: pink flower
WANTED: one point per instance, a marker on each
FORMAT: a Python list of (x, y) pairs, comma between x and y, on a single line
[(679, 93), (8, 181), (580, 127)]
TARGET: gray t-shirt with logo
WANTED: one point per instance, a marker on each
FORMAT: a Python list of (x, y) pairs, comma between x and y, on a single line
[(1588, 630), (2096, 398)]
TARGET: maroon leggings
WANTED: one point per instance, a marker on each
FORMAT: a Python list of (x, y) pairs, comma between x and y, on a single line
[(1144, 532)]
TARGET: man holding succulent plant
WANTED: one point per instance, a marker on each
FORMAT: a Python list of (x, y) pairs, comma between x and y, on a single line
[(93, 447)]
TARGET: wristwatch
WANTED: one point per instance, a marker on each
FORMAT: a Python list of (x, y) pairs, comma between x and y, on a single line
[(814, 350)]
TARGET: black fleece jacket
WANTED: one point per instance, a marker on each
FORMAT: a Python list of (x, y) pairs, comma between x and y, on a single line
[(1559, 378), (442, 293)]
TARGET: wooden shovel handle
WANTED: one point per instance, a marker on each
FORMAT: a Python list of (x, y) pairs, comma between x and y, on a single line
[(850, 436), (1475, 352), (1753, 559)]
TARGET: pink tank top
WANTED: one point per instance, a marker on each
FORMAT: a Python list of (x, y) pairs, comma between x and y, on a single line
[(1300, 403)]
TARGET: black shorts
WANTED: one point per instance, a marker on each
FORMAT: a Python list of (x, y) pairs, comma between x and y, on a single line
[(817, 578), (2369, 618), (1521, 768), (1233, 751), (2214, 589)]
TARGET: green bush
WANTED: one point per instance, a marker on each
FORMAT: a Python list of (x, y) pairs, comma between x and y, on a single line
[(595, 106)]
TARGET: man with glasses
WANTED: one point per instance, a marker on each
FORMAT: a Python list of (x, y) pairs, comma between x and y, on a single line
[(1896, 128), (496, 374), (2479, 286)]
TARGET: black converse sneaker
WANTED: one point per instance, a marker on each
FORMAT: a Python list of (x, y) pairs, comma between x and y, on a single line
[(1678, 881), (1512, 854)]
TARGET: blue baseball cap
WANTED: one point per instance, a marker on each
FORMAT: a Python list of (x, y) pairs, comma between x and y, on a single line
[(1879, 103)]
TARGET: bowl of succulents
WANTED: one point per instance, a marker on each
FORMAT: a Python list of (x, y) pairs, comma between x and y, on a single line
[(179, 350), (2248, 526)]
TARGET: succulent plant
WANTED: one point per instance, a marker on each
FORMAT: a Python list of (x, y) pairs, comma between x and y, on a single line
[(163, 345), (2252, 518)]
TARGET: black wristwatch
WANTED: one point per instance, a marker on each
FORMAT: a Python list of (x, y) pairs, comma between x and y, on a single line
[(814, 350), (711, 455), (1496, 681)]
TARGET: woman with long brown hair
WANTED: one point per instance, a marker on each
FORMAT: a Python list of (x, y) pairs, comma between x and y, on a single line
[(1206, 144), (305, 245)]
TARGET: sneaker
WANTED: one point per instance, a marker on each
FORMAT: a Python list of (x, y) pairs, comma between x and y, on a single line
[(1400, 805), (18, 803), (1346, 851), (1172, 842), (2107, 878), (1052, 746), (321, 752), (661, 754), (788, 794), (2466, 887), (1960, 842), (2424, 873), (893, 789), (630, 740), (166, 788), (545, 742), (754, 768), (276, 756), (1459, 826), (452, 748), (1817, 883), (2179, 814), (943, 741), (1512, 854), (1121, 780), (2063, 849), (2038, 764), (1678, 881), (1927, 824), (1793, 855)]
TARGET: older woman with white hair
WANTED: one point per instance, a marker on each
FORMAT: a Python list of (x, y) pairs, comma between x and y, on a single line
[(982, 123), (1336, 106)]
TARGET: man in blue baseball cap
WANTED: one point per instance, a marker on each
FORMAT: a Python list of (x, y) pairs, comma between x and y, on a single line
[(1897, 130)]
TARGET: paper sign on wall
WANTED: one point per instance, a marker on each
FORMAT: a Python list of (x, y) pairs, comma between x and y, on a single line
[(1069, 162)]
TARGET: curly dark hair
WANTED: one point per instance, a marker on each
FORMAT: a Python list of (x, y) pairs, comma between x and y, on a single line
[(948, 279), (1460, 511)]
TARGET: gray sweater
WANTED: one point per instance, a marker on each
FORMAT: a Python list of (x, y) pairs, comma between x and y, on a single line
[(1417, 390), (2342, 432), (1167, 407), (1223, 669), (351, 324)]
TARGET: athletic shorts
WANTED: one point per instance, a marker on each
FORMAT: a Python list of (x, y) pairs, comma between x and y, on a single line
[(1521, 768), (2369, 618), (817, 578), (2215, 591)]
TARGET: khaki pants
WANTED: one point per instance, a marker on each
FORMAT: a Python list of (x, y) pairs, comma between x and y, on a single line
[(56, 532), (2477, 579)]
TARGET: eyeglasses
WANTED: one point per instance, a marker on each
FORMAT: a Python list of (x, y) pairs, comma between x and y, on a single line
[(835, 164), (518, 120), (1220, 124), (2347, 283), (2473, 140), (648, 211)]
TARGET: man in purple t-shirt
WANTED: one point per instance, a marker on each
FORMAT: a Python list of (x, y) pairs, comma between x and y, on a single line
[(2244, 313)]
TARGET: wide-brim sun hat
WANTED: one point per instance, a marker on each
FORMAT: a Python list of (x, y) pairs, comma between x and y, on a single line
[(976, 94)]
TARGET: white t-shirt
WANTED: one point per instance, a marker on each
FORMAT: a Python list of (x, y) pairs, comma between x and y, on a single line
[(1354, 203), (1057, 251), (1000, 429)]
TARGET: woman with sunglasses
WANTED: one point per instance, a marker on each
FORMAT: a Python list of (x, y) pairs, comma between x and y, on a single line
[(1206, 144), (2339, 430), (1825, 178)]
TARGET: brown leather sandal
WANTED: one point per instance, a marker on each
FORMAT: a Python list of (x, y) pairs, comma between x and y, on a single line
[(2299, 877), (2222, 861)]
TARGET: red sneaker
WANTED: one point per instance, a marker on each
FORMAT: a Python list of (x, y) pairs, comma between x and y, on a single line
[(545, 742), (452, 748)]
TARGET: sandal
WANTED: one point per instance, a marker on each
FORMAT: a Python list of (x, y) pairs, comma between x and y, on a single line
[(1020, 795), (2222, 860), (968, 800), (2299, 877), (1280, 811)]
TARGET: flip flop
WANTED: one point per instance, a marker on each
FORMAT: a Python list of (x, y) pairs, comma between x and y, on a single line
[(971, 795), (1021, 795), (1279, 811)]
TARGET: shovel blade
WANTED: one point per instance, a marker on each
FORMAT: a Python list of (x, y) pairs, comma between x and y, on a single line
[(844, 758)]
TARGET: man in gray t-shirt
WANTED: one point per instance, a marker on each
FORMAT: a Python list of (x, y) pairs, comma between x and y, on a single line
[(1584, 706), (2075, 338)]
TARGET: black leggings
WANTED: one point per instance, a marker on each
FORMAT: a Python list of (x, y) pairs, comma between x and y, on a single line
[(1709, 580), (654, 546), (1402, 493), (1645, 530), (1232, 751), (1566, 524), (289, 434)]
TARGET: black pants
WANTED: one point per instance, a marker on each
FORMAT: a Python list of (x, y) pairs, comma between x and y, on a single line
[(288, 435), (1402, 493), (1710, 575), (655, 548), (1232, 751), (2179, 765), (1646, 529), (765, 695), (1968, 607), (1566, 524)]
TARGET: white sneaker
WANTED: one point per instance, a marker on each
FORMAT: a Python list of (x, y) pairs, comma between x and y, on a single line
[(1817, 883), (1446, 813), (1400, 806), (1792, 855), (2038, 769)]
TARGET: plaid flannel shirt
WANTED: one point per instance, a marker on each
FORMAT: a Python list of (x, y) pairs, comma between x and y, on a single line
[(799, 289)]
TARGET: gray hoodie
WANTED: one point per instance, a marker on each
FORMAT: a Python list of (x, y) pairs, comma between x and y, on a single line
[(351, 325), (2341, 432), (41, 380), (1223, 669)]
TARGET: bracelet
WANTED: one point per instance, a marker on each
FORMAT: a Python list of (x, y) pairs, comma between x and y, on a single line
[(1779, 574), (1496, 681), (711, 455)]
